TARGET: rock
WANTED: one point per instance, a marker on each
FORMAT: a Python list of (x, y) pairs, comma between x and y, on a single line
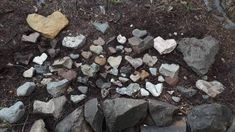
[(74, 56), (33, 37), (128, 50), (169, 70), (40, 59), (38, 126), (115, 61), (26, 89), (104, 93), (53, 107), (41, 69), (29, 73), (67, 74), (83, 89), (129, 90), (121, 39), (186, 92), (144, 92), (232, 126), (116, 82), (57, 88), (90, 70), (102, 85), (83, 80), (135, 77), (209, 118), (161, 79), (164, 46), (176, 99), (140, 45), (23, 59), (65, 62), (126, 69), (49, 26), (199, 54), (74, 42), (45, 81), (123, 79), (74, 122), (172, 81), (99, 41), (128, 112), (139, 33), (143, 74), (153, 71), (53, 52), (113, 71), (102, 27), (112, 50), (120, 48), (13, 113), (162, 113), (212, 88), (77, 98), (155, 90), (101, 60), (86, 54), (93, 114), (135, 62), (96, 49), (150, 60)]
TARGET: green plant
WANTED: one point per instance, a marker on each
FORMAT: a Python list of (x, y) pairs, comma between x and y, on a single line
[(116, 1)]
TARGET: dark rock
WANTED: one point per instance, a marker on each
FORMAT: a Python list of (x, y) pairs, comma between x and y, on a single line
[(41, 69), (23, 59), (140, 45), (232, 127), (102, 85), (186, 92), (126, 69)]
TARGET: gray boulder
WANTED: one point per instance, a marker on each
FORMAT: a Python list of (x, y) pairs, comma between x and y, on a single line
[(26, 89), (209, 118), (57, 88), (122, 113), (199, 54)]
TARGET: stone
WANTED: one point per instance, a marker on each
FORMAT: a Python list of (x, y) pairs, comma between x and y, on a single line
[(199, 54), (172, 81), (135, 41), (232, 126), (74, 122), (112, 50), (123, 79), (14, 113), (67, 74), (160, 79), (212, 88), (26, 89), (161, 112), (57, 88), (102, 27), (74, 42), (83, 89), (104, 93), (40, 59), (126, 69), (176, 99), (143, 74), (41, 69), (116, 82), (186, 92), (135, 62), (130, 90), (164, 46), (144, 92), (153, 71), (53, 107), (38, 126), (96, 49), (209, 118), (102, 85), (32, 38), (65, 62), (150, 60), (49, 26), (169, 70), (120, 48), (139, 33), (53, 52), (45, 81), (74, 56), (94, 115), (29, 73), (155, 90), (121, 39), (23, 59), (101, 60), (86, 54), (82, 80), (90, 70), (99, 41), (113, 71), (135, 77), (115, 61), (128, 112), (139, 45), (128, 50), (77, 98)]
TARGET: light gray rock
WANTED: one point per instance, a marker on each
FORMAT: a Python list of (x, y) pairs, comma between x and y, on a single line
[(160, 79), (122, 113), (114, 61), (99, 41), (86, 54), (29, 73), (164, 46), (33, 37), (135, 62), (155, 90), (150, 60), (113, 71), (38, 126), (139, 33), (121, 39), (77, 98), (186, 92), (40, 59), (176, 99), (90, 70), (26, 89), (102, 27), (65, 62), (129, 90), (199, 54), (169, 70), (74, 42), (212, 88), (74, 56), (83, 89), (13, 113), (153, 71), (144, 92), (57, 88), (98, 49)]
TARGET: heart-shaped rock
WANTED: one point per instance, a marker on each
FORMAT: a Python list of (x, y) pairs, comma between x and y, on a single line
[(135, 62), (164, 46), (114, 61), (49, 26)]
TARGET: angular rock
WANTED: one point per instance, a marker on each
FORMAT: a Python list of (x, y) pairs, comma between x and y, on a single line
[(129, 90), (172, 81), (139, 33), (74, 42), (65, 62), (77, 98), (29, 73), (90, 70), (86, 54), (26, 89), (102, 27), (121, 39), (38, 126), (135, 77), (155, 90), (115, 61), (96, 49), (67, 74), (135, 62), (140, 45), (144, 92), (153, 71), (169, 70), (164, 46), (41, 69), (49, 26), (33, 37), (161, 79), (128, 112), (150, 60), (199, 54), (212, 88), (83, 89), (186, 92), (40, 59), (99, 41), (57, 88)]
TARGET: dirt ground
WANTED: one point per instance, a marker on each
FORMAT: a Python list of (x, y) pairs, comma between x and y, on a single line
[(191, 20)]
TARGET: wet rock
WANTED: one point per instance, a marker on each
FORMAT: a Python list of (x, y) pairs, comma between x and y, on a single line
[(99, 41), (144, 92), (96, 49), (53, 107), (93, 114), (33, 37), (150, 60), (90, 70), (49, 26), (74, 122), (86, 54), (74, 56), (135, 77), (57, 88), (153, 71), (67, 74), (130, 90), (121, 39), (77, 98), (199, 54), (164, 46), (135, 62), (29, 73), (139, 33), (26, 89), (101, 60), (65, 62), (155, 90), (102, 85), (115, 61), (102, 27), (41, 69), (169, 70), (82, 80), (162, 113), (40, 59), (212, 88), (38, 126), (13, 113), (186, 92), (74, 42), (209, 118), (128, 112), (83, 89)]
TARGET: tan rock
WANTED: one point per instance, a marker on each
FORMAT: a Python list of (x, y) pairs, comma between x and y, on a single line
[(49, 26), (101, 60), (172, 81), (143, 74)]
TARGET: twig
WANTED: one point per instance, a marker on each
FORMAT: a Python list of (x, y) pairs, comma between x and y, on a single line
[(25, 123)]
